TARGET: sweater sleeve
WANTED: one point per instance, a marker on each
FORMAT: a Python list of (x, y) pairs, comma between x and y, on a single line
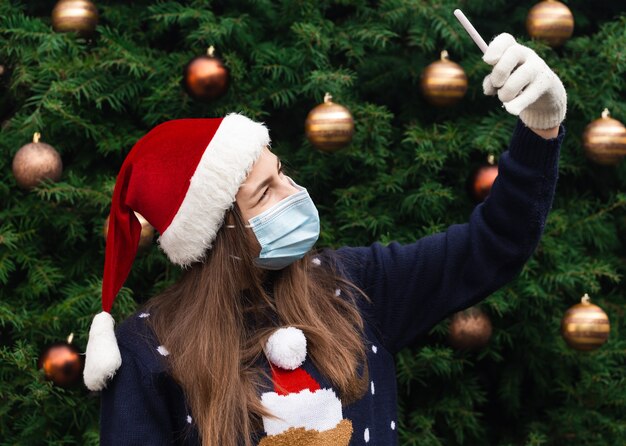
[(414, 286), (132, 409)]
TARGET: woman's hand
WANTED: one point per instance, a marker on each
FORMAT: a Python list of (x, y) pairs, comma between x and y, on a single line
[(524, 83)]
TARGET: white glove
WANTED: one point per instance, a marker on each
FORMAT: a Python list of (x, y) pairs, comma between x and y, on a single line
[(533, 91)]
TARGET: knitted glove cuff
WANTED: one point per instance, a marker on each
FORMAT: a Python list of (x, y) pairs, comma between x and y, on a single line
[(543, 119)]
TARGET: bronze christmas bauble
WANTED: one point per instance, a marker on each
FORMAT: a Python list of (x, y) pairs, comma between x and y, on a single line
[(80, 16), (443, 82), (329, 126), (482, 179), (585, 326), (62, 363), (550, 21), (206, 78), (604, 140), (469, 329), (35, 162), (147, 232)]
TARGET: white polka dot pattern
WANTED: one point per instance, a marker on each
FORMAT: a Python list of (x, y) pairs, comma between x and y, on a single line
[(374, 348), (372, 387), (189, 419), (393, 425), (316, 261), (337, 292), (144, 315), (366, 435), (161, 349)]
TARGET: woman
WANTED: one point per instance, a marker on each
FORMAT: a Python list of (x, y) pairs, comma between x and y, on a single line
[(263, 341)]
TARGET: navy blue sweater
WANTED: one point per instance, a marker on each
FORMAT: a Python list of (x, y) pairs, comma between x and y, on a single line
[(412, 288)]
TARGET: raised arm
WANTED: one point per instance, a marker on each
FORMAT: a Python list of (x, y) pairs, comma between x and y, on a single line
[(414, 286)]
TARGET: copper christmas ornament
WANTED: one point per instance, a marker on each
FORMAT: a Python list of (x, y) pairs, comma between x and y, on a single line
[(205, 78), (469, 329), (604, 140), (147, 232), (482, 179), (329, 126), (62, 363), (443, 82), (35, 162), (79, 16), (585, 326), (550, 21)]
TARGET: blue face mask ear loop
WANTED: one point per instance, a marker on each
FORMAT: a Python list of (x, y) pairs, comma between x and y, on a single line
[(233, 227)]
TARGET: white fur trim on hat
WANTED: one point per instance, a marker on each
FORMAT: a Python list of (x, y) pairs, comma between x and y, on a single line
[(286, 348), (102, 358), (225, 164), (319, 410)]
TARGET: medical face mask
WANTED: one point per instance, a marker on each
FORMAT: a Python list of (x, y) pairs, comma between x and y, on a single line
[(287, 230)]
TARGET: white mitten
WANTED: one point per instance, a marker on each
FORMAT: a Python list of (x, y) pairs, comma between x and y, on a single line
[(533, 91)]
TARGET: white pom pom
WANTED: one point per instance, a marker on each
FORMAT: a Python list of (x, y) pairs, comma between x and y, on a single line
[(102, 358), (286, 348)]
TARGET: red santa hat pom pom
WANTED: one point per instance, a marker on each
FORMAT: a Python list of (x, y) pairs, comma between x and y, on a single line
[(286, 348)]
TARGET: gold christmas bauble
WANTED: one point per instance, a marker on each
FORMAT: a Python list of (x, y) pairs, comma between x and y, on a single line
[(206, 78), (443, 82), (604, 140), (329, 126), (79, 16), (62, 363), (550, 21), (147, 232), (585, 326), (482, 179), (35, 162), (469, 329)]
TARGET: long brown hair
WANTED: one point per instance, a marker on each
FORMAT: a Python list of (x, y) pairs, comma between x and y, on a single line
[(216, 319)]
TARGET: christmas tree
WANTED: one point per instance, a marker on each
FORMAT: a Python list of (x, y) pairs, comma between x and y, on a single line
[(402, 177)]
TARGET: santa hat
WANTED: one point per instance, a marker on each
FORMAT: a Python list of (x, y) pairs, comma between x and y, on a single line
[(286, 351), (298, 400), (182, 177)]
